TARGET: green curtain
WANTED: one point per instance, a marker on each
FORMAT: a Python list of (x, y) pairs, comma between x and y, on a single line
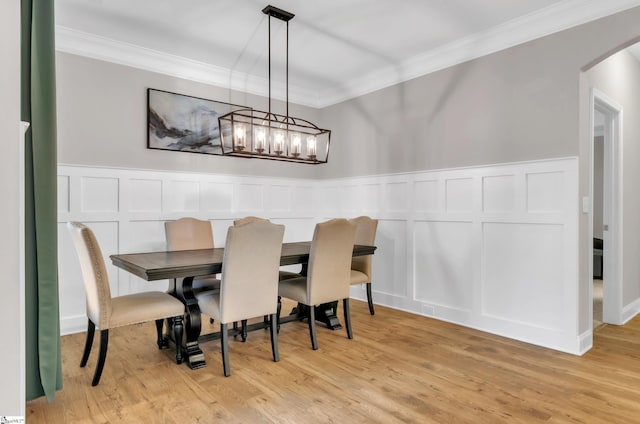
[(38, 103)]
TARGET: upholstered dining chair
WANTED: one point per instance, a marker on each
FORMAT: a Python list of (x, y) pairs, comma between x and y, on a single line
[(361, 265), (328, 272), (105, 312), (191, 234), (284, 275), (249, 284)]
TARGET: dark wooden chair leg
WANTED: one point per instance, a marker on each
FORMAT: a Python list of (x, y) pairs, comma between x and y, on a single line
[(161, 341), (243, 331), (274, 337), (312, 327), (177, 333), (104, 344), (278, 313), (347, 317), (224, 341), (91, 330), (370, 299), (273, 321)]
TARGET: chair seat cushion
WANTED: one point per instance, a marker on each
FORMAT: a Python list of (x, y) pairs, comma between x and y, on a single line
[(209, 303), (294, 289), (143, 307), (204, 283), (358, 277), (285, 275)]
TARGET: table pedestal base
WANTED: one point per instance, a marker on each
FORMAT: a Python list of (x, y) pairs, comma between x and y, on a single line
[(325, 313), (195, 356)]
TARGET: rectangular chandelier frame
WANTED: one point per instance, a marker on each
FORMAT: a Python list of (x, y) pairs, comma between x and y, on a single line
[(252, 133)]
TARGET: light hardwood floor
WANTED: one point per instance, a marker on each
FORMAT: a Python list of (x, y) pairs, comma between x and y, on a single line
[(399, 368), (597, 303)]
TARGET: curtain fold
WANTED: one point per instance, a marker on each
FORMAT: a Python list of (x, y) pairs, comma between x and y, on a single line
[(38, 106)]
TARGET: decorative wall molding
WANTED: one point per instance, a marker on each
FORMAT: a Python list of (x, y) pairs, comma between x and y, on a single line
[(493, 248), (555, 18)]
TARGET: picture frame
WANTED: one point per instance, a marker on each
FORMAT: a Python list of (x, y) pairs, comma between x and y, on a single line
[(183, 123)]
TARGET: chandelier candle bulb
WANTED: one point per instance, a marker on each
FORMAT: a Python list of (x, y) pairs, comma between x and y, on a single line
[(311, 147), (260, 140), (295, 145), (278, 142), (241, 141)]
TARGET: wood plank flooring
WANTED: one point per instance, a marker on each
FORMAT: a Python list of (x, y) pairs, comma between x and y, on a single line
[(399, 368)]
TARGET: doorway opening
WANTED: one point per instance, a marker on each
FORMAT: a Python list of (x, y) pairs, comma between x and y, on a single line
[(606, 194)]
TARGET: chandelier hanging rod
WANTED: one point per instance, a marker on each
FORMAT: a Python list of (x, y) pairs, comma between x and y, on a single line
[(285, 16)]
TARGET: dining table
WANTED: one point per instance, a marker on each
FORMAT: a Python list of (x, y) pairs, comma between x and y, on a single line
[(181, 267)]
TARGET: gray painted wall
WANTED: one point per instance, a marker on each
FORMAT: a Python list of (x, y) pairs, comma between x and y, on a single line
[(489, 110), (11, 394), (618, 78), (102, 120)]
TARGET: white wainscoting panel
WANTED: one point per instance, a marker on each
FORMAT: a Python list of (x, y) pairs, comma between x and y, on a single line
[(99, 194), (493, 248), (521, 283), (499, 193), (459, 194), (539, 197), (127, 210), (390, 265), (148, 195), (249, 197), (426, 196), (217, 197), (443, 252), (303, 199), (370, 198), (181, 196), (279, 198)]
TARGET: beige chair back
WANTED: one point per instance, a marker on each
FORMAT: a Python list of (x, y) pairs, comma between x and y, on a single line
[(329, 270), (188, 233), (248, 219), (94, 273), (250, 271), (365, 235)]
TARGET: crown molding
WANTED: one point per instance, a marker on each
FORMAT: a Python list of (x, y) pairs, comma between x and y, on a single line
[(97, 47), (563, 15)]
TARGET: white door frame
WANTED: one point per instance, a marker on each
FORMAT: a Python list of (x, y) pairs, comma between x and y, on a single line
[(612, 211)]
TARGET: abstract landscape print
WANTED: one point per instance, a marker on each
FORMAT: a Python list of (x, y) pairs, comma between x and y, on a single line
[(184, 123)]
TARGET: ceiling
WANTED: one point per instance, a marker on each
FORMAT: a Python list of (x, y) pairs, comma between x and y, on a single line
[(338, 49)]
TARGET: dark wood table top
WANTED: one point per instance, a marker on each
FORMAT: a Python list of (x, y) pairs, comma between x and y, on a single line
[(191, 263)]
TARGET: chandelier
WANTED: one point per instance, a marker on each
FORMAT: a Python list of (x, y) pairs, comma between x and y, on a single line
[(256, 134)]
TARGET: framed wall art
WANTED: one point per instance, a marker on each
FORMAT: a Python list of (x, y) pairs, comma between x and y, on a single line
[(184, 123)]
